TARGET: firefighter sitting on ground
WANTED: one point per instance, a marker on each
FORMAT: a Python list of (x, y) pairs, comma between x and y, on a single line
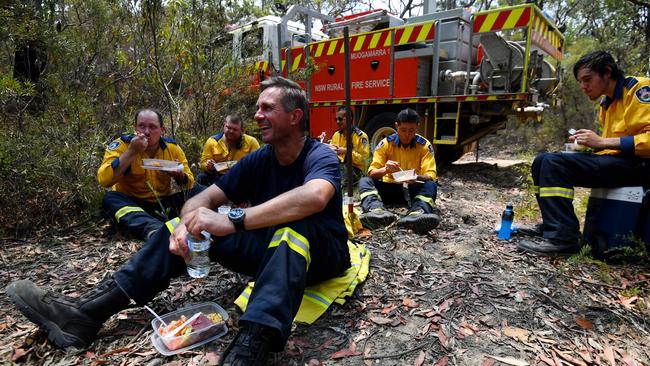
[(225, 148), (292, 236), (141, 200), (403, 150), (360, 146), (621, 158)]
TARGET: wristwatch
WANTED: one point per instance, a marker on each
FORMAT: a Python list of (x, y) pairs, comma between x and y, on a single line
[(236, 216)]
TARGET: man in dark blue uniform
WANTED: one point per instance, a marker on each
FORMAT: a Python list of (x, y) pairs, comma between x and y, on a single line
[(292, 235), (620, 158)]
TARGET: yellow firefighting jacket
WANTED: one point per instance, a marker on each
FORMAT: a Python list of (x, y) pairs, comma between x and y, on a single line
[(216, 149), (360, 147), (627, 116), (134, 181), (418, 155)]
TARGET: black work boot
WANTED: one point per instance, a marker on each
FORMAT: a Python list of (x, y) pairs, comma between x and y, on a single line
[(251, 346), (535, 231), (419, 222), (377, 218), (548, 248), (69, 322)]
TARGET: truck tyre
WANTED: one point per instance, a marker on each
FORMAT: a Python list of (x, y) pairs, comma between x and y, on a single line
[(447, 154), (380, 126)]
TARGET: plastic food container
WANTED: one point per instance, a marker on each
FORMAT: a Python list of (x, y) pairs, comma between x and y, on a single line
[(224, 165), (404, 175), (200, 329), (573, 147)]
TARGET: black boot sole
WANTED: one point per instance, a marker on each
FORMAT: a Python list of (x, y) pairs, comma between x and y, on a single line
[(377, 223), (421, 227), (57, 336), (559, 254)]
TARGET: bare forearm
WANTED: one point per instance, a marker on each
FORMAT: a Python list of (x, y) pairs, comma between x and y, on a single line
[(290, 206), (377, 173)]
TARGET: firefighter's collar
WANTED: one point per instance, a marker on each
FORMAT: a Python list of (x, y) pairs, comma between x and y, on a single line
[(618, 94), (398, 143)]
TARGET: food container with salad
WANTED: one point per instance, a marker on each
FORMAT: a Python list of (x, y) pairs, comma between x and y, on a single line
[(188, 328)]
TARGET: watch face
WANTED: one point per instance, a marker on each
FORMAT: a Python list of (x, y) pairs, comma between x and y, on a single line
[(235, 213)]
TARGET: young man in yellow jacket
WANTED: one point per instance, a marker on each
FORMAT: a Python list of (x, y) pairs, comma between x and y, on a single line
[(140, 199), (360, 146), (403, 150), (622, 153)]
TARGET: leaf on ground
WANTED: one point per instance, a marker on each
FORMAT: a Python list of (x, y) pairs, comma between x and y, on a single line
[(327, 343), (510, 360), (608, 352), (388, 309), (519, 334), (445, 305), (520, 296), (314, 362), (443, 361), (19, 353), (420, 359), (346, 352), (487, 362), (565, 356), (546, 360), (584, 323), (410, 303), (380, 320), (442, 337), (213, 358), (592, 342), (627, 302)]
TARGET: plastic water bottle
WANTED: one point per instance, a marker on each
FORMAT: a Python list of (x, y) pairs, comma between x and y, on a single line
[(199, 264), (506, 222)]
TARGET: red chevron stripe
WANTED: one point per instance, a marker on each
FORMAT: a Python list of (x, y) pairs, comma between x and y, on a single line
[(478, 22), (398, 34), (414, 34), (382, 38), (524, 18), (501, 19)]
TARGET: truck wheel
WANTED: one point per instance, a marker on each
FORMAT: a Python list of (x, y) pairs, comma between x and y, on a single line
[(380, 126), (448, 154)]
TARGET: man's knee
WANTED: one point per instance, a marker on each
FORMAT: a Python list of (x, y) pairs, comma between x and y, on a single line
[(366, 184)]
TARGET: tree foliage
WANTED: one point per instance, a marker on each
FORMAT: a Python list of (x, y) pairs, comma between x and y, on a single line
[(103, 60)]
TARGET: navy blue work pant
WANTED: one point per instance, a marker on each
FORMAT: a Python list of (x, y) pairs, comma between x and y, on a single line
[(556, 174), (141, 217), (283, 260), (374, 191), (356, 175)]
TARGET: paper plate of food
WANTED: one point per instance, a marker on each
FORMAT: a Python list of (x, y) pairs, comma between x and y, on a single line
[(405, 176), (188, 328), (160, 164)]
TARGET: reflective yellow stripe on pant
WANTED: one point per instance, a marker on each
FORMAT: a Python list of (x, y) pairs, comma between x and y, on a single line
[(318, 298)]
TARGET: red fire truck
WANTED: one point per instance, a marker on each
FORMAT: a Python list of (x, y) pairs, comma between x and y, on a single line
[(463, 72)]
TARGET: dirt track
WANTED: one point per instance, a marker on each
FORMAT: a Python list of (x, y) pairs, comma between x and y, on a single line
[(457, 296)]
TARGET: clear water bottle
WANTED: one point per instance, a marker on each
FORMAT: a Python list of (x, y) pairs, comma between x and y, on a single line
[(507, 218), (199, 264)]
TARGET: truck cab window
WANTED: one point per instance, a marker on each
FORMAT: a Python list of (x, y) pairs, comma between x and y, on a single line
[(252, 43)]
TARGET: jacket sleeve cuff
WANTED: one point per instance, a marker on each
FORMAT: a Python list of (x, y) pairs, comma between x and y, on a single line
[(116, 163), (627, 145)]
